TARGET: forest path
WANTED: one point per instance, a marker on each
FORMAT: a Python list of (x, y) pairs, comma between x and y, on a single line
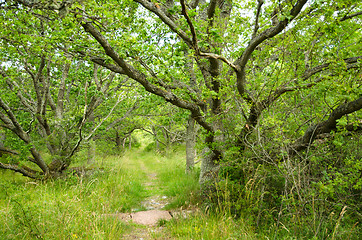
[(145, 223)]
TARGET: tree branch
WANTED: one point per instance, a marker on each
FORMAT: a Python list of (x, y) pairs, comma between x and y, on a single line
[(168, 21), (268, 33), (325, 126), (13, 152), (219, 57), (102, 62), (346, 17), (12, 122), (307, 74), (115, 122), (62, 88), (211, 11), (18, 130), (27, 172), (256, 25), (310, 72), (104, 119), (131, 72), (258, 107), (16, 88), (189, 22)]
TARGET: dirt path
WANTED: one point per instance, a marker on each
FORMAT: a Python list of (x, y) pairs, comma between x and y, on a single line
[(145, 224)]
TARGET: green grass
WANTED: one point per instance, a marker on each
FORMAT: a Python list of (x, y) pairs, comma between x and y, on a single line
[(182, 188), (71, 208), (208, 226), (77, 207)]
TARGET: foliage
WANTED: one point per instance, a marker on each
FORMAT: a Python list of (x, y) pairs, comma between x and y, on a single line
[(275, 86)]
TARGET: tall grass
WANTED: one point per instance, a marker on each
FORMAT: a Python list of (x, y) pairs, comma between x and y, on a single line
[(209, 226), (76, 207), (70, 208), (180, 187)]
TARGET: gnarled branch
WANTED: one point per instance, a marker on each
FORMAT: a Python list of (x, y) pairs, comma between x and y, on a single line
[(325, 126)]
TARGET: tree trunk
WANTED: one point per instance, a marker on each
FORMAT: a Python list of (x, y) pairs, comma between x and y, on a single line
[(91, 151), (130, 142), (190, 144), (2, 139), (209, 172), (118, 141), (124, 143), (166, 138), (156, 139), (57, 166)]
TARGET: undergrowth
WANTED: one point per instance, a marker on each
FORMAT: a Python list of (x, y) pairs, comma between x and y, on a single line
[(250, 204), (72, 207)]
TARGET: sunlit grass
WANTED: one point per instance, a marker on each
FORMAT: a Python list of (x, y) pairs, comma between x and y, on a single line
[(72, 207), (76, 207), (201, 225)]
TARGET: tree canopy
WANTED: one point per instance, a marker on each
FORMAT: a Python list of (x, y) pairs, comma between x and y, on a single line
[(238, 67)]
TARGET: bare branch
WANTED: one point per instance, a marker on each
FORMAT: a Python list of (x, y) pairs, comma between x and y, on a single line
[(256, 25), (219, 57), (167, 20), (189, 22), (346, 17)]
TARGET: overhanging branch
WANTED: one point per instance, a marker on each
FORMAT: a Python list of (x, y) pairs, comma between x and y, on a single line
[(141, 78), (325, 126)]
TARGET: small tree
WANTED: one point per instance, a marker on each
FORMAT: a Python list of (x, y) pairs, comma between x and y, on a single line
[(47, 99)]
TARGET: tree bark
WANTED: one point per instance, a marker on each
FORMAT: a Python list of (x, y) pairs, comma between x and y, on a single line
[(2, 139), (190, 144), (209, 171), (154, 131)]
